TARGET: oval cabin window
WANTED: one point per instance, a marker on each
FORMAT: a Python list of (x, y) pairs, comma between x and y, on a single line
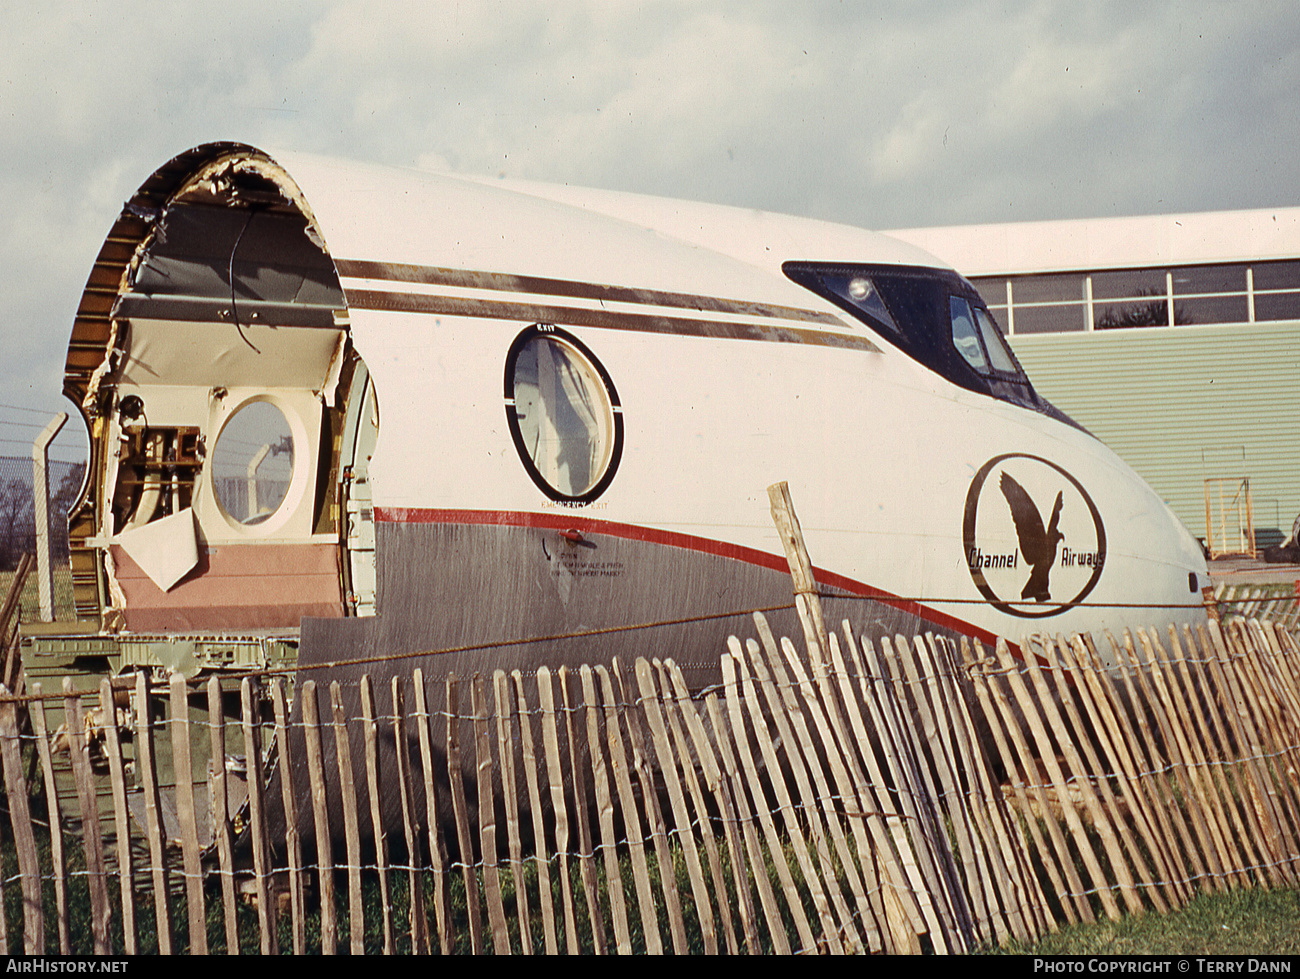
[(563, 413), (252, 463)]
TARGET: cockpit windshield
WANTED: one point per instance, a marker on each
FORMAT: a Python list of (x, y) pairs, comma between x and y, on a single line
[(934, 316)]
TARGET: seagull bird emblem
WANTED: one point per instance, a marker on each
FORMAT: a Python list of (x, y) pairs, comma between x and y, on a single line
[(1036, 544)]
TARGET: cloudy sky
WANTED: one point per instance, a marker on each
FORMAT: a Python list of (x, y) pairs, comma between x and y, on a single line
[(883, 114)]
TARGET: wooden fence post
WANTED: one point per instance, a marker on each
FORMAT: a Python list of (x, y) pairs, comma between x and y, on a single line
[(37, 712), (320, 817), (1190, 767), (1186, 708), (460, 812), (503, 700), (981, 672), (220, 809), (631, 817), (753, 848), (740, 694), (20, 817), (605, 815), (910, 680), (182, 770), (1110, 727), (908, 911), (292, 838), (556, 778), (487, 820), (889, 707), (380, 838), (825, 745), (1210, 866), (1144, 744), (1006, 727), (633, 710), (843, 762), (586, 852), (686, 839), (351, 828), (529, 754), (92, 841), (801, 570), (424, 720), (12, 676), (153, 822), (269, 940), (838, 930), (410, 823), (691, 777)]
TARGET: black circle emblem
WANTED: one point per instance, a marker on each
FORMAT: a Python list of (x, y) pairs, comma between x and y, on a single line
[(563, 413), (1034, 541)]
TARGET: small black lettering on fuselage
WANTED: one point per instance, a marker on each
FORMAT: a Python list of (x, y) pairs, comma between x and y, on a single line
[(1081, 559), (978, 560)]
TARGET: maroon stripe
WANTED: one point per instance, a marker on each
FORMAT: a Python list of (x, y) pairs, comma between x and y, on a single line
[(404, 302), (669, 538), (540, 286)]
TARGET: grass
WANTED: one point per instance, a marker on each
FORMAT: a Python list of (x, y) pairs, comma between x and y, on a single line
[(30, 603), (1234, 923), (79, 912), (1240, 922)]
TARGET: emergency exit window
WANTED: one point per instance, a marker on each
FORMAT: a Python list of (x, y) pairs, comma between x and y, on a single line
[(563, 414)]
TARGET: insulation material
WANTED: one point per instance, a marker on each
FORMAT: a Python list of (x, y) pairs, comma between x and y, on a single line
[(166, 549), (210, 354), (271, 258), (91, 400)]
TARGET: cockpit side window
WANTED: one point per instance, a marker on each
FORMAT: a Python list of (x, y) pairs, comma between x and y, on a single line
[(982, 347), (964, 337), (999, 354)]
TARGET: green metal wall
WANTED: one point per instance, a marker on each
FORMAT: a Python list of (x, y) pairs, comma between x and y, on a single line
[(1184, 403)]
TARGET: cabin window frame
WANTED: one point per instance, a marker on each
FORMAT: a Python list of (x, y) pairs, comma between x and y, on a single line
[(610, 407), (224, 453), (293, 519)]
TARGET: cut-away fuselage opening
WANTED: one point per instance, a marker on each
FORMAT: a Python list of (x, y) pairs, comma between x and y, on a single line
[(231, 418)]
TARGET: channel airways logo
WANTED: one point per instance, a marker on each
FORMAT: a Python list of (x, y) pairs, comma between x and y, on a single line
[(1034, 541)]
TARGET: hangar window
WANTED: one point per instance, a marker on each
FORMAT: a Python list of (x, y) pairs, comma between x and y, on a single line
[(563, 414), (1156, 296), (252, 463)]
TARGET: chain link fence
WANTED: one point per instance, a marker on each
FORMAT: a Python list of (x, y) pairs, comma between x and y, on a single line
[(17, 513)]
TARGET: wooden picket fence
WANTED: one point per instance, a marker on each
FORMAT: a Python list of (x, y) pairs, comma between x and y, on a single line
[(904, 795), (839, 864), (1277, 602), (1173, 772)]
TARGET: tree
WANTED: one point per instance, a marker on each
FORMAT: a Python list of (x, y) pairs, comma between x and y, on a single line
[(1154, 313), (17, 522)]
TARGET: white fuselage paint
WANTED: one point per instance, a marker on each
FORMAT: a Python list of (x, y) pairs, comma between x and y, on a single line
[(879, 451), (885, 459)]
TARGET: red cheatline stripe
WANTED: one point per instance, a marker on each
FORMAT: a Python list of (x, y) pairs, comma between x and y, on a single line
[(669, 538)]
